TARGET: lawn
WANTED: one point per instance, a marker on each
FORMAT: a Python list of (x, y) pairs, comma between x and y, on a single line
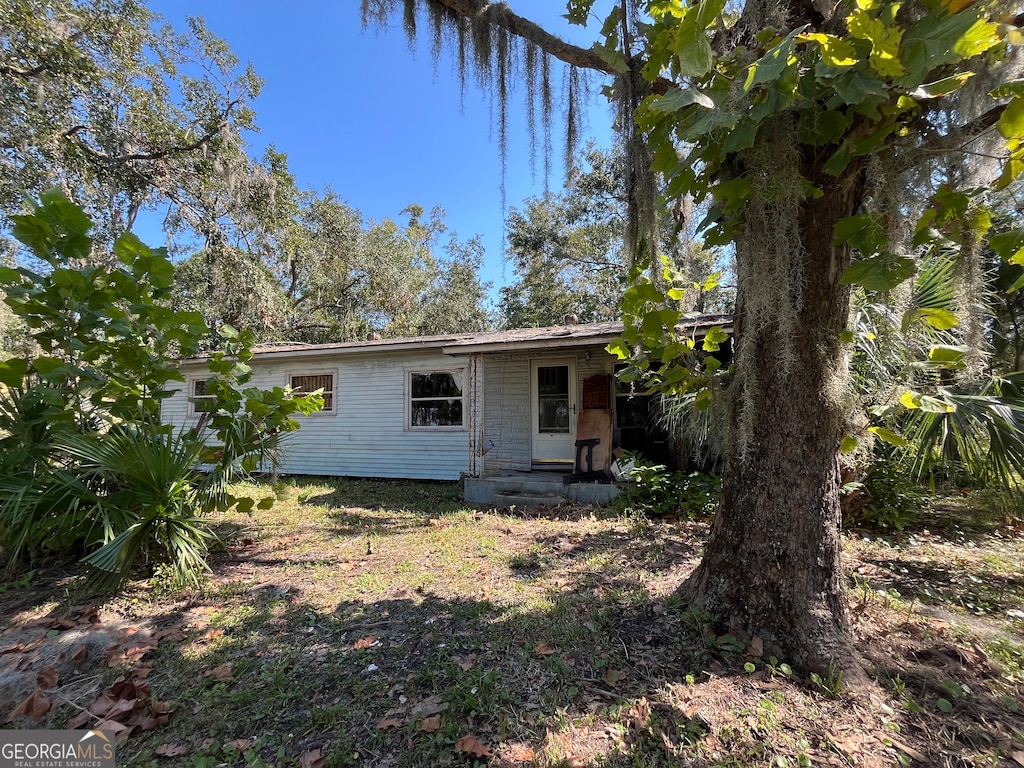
[(380, 623)]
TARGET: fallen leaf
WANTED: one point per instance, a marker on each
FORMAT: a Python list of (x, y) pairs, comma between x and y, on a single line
[(206, 744), (429, 724), (519, 753), (171, 750), (613, 676), (432, 705), (170, 633), (77, 720), (365, 642), (35, 706), (1018, 757), (121, 731), (47, 677), (313, 759), (160, 707), (123, 689), (543, 648), (223, 672), (240, 744), (471, 745), (755, 647), (389, 722), (79, 654), (907, 749), (466, 663)]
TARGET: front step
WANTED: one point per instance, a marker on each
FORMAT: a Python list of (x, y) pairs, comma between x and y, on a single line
[(526, 500), (529, 492)]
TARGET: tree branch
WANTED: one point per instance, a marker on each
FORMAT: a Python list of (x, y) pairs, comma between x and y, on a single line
[(500, 15), (160, 154)]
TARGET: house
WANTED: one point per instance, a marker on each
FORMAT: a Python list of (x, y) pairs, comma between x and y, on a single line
[(497, 408)]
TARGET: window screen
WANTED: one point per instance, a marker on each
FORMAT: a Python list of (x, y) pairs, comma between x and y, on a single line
[(435, 399)]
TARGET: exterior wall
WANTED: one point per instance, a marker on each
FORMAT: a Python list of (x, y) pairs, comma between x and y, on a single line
[(367, 435), (507, 418)]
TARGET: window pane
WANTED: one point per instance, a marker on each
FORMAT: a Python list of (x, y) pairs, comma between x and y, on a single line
[(306, 383), (553, 380), (201, 402), (437, 413), (554, 414), (437, 384)]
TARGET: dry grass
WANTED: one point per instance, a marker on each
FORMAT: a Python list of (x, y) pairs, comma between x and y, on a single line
[(366, 623)]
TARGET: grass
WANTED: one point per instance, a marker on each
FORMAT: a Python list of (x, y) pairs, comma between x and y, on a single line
[(376, 623)]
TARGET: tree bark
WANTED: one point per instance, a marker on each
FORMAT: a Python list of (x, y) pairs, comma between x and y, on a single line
[(772, 565)]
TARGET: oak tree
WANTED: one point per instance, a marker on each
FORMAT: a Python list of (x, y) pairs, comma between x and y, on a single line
[(802, 120)]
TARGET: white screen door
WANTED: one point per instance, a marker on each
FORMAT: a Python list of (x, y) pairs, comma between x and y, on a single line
[(553, 393)]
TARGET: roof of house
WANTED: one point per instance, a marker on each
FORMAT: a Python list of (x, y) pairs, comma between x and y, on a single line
[(551, 337)]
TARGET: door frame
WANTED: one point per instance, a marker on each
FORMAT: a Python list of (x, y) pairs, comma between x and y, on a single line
[(564, 445)]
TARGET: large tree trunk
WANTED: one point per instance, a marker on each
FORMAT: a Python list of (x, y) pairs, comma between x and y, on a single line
[(771, 567)]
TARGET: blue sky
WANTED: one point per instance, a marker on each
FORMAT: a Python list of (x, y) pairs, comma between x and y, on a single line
[(361, 112)]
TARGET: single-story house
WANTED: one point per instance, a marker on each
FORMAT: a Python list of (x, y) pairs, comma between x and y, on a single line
[(477, 405)]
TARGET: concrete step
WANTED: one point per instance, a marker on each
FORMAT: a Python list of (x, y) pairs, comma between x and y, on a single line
[(526, 500)]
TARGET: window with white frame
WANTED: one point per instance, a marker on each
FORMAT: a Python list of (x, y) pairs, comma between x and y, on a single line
[(304, 383), (198, 401), (436, 398)]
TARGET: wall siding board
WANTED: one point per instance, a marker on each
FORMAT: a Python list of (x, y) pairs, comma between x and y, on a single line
[(366, 436)]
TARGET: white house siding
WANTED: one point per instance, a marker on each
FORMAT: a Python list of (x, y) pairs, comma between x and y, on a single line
[(507, 419), (367, 435)]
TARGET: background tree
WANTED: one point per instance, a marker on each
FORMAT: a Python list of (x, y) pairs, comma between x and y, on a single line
[(783, 113), (569, 253), (121, 114), (321, 273)]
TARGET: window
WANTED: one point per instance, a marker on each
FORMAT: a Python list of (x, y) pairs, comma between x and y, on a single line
[(435, 399), (198, 401), (304, 383)]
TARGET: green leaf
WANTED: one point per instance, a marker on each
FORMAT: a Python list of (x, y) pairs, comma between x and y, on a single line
[(865, 233), (708, 12), (714, 337), (820, 128), (888, 436), (13, 372), (885, 42), (1008, 245), (855, 88), (880, 273), (939, 319), (835, 51), (947, 355), (849, 444), (265, 503), (741, 137), (612, 57), (620, 349), (944, 705), (770, 67), (693, 51), (1011, 122), (943, 87), (679, 98), (910, 400), (128, 247)]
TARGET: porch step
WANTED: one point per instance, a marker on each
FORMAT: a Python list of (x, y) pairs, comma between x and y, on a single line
[(528, 490), (526, 500)]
